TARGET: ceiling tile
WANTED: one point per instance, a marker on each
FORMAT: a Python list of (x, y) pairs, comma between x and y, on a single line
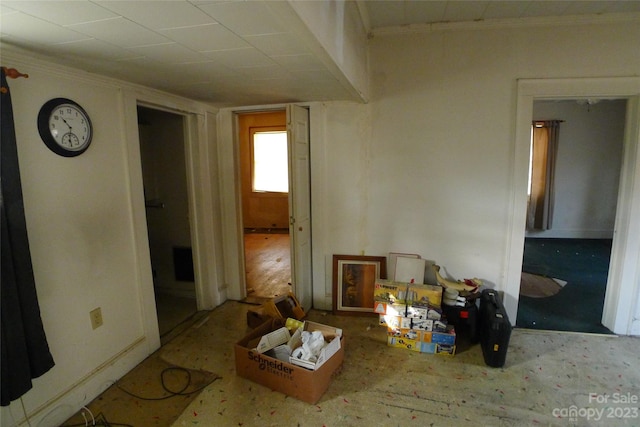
[(35, 30), (228, 51), (92, 48), (244, 18), (159, 14), (61, 12), (316, 77), (277, 44), (4, 10), (264, 72), (206, 37), (143, 71), (305, 62), (465, 11), (201, 71), (120, 32), (168, 53), (236, 58)]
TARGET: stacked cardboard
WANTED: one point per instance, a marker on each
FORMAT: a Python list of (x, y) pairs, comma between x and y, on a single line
[(412, 314)]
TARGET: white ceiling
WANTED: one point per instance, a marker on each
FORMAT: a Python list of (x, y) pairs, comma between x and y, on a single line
[(230, 52)]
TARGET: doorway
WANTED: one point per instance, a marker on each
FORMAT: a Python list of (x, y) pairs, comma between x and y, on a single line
[(162, 153), (621, 292), (263, 152), (566, 264)]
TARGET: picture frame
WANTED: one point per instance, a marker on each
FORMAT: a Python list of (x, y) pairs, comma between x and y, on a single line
[(354, 278)]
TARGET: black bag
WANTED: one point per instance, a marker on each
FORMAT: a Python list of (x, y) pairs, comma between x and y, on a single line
[(465, 320), (494, 328)]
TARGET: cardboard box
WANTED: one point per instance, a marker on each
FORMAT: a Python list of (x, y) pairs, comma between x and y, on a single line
[(445, 350), (407, 299), (387, 293), (406, 343), (425, 296), (428, 347), (446, 338), (280, 307), (287, 378), (439, 349)]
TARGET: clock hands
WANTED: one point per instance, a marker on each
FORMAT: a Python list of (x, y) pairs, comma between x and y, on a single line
[(66, 123)]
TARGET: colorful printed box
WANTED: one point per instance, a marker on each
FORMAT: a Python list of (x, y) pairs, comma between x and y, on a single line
[(406, 343), (445, 338), (425, 296), (445, 350), (428, 347), (388, 291)]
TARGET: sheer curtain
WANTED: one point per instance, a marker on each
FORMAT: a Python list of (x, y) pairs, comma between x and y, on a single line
[(544, 150)]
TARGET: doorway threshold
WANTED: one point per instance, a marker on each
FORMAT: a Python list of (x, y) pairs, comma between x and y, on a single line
[(192, 320), (266, 231)]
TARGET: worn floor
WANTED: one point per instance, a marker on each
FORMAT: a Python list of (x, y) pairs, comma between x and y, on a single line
[(267, 264), (174, 313), (550, 378)]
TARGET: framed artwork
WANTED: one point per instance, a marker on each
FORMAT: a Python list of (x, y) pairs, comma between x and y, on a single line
[(354, 279)]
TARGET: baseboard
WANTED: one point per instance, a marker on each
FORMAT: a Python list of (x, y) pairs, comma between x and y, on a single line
[(570, 234), (61, 407), (259, 230)]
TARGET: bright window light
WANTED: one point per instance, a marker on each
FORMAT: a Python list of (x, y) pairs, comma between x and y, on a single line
[(270, 162)]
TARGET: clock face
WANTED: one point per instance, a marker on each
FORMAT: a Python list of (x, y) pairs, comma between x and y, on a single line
[(65, 127)]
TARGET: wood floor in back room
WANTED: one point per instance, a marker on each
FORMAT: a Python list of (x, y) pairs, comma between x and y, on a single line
[(267, 264)]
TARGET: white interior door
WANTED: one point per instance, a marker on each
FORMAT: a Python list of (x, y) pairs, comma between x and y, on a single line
[(300, 203)]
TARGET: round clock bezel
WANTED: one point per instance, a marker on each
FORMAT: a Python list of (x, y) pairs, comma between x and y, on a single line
[(45, 131)]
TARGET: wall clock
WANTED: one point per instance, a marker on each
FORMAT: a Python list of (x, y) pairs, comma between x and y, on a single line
[(65, 127)]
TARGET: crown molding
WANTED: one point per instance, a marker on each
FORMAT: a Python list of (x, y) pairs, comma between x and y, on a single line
[(490, 24)]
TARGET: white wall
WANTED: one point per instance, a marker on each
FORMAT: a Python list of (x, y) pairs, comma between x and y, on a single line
[(82, 215), (426, 167), (587, 168)]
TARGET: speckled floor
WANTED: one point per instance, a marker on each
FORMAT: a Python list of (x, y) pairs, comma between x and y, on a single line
[(549, 378)]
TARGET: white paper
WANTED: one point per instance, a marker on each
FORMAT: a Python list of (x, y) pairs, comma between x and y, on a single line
[(408, 269)]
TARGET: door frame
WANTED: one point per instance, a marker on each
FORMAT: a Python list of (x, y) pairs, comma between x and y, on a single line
[(201, 166), (231, 209), (621, 298)]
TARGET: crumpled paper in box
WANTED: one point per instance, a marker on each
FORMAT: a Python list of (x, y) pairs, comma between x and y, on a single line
[(312, 344)]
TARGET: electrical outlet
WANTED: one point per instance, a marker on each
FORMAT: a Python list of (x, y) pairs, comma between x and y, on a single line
[(96, 317)]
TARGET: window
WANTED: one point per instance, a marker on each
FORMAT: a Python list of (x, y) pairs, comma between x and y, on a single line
[(270, 162)]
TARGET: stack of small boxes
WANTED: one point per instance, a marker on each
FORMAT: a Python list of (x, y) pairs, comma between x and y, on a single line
[(413, 317)]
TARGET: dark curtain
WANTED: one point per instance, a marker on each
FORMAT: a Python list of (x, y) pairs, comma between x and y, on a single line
[(24, 349)]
